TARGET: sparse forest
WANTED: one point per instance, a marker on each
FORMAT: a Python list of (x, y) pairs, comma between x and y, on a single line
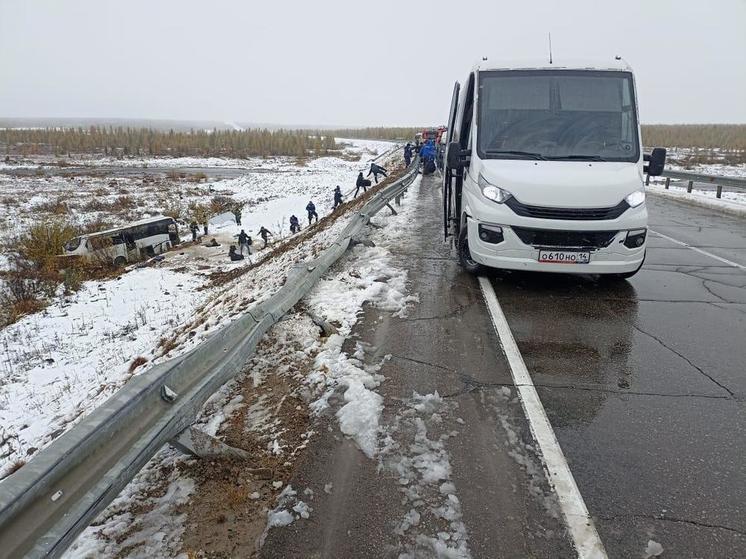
[(377, 133), (709, 136), (125, 141)]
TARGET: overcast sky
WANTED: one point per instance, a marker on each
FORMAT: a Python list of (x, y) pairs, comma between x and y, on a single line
[(347, 62)]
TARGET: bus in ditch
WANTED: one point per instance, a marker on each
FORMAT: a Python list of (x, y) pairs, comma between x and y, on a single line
[(129, 243)]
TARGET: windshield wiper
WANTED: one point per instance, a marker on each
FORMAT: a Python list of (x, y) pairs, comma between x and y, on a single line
[(526, 154), (576, 157)]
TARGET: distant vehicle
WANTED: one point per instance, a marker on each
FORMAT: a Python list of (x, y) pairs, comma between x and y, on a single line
[(545, 169), (129, 243)]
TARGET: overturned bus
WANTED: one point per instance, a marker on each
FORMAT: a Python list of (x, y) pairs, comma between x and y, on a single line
[(128, 243)]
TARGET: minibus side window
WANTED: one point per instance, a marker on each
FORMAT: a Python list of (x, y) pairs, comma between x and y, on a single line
[(468, 114)]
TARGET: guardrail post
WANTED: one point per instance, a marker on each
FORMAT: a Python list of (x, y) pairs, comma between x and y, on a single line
[(668, 182), (719, 192), (647, 180), (689, 186)]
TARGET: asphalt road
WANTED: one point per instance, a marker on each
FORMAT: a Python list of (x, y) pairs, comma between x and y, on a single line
[(643, 383)]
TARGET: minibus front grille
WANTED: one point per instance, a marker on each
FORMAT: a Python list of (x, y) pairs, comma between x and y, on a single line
[(579, 214), (553, 238)]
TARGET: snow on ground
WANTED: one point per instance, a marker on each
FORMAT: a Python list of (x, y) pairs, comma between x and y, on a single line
[(732, 201), (103, 193), (155, 529), (368, 275), (413, 447), (59, 364), (415, 452)]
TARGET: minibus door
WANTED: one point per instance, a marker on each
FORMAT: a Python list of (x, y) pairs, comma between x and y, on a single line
[(448, 175)]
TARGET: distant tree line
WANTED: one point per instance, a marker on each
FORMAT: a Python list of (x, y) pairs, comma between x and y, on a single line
[(724, 136), (126, 141), (377, 133)]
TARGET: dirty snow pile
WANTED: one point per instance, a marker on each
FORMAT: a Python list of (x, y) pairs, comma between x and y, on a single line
[(367, 275), (289, 508), (414, 451)]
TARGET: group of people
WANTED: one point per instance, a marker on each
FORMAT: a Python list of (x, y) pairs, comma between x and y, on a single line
[(244, 240), (244, 244), (428, 154)]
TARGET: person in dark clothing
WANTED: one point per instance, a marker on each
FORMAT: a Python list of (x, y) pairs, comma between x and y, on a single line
[(337, 197), (407, 154), (294, 224), (361, 183), (427, 154), (194, 228), (234, 256), (265, 234), (311, 209), (237, 213), (244, 242), (376, 170), (205, 226)]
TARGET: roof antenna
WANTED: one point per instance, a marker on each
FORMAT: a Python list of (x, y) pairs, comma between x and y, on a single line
[(550, 48)]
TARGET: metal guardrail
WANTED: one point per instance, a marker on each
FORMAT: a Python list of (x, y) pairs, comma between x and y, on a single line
[(718, 181), (50, 500)]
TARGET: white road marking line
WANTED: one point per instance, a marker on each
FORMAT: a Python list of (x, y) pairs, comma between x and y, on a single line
[(699, 250), (579, 523)]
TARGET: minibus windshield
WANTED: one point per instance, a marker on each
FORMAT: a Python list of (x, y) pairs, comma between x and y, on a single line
[(565, 115)]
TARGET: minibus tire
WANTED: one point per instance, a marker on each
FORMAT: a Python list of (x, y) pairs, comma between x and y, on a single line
[(464, 255), (120, 262)]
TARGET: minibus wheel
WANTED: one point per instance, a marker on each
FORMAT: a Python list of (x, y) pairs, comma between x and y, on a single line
[(120, 262), (464, 254)]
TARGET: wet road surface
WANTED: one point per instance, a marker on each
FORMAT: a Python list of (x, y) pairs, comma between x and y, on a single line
[(643, 382), (446, 344)]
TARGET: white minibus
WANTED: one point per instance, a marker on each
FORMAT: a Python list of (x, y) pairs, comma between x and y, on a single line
[(545, 170)]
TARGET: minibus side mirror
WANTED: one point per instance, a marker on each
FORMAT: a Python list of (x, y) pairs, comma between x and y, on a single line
[(656, 162), (456, 158)]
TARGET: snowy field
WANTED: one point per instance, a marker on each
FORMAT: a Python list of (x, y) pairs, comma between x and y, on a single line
[(98, 191), (59, 364)]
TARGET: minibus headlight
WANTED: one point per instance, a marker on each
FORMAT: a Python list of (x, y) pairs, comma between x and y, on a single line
[(636, 198), (494, 193)]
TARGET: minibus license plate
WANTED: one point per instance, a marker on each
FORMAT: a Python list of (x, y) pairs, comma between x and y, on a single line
[(564, 257)]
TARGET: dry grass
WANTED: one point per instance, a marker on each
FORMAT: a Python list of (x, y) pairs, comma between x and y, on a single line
[(167, 345), (55, 207), (14, 467), (137, 362), (18, 309), (43, 242), (722, 136), (198, 177), (221, 204)]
